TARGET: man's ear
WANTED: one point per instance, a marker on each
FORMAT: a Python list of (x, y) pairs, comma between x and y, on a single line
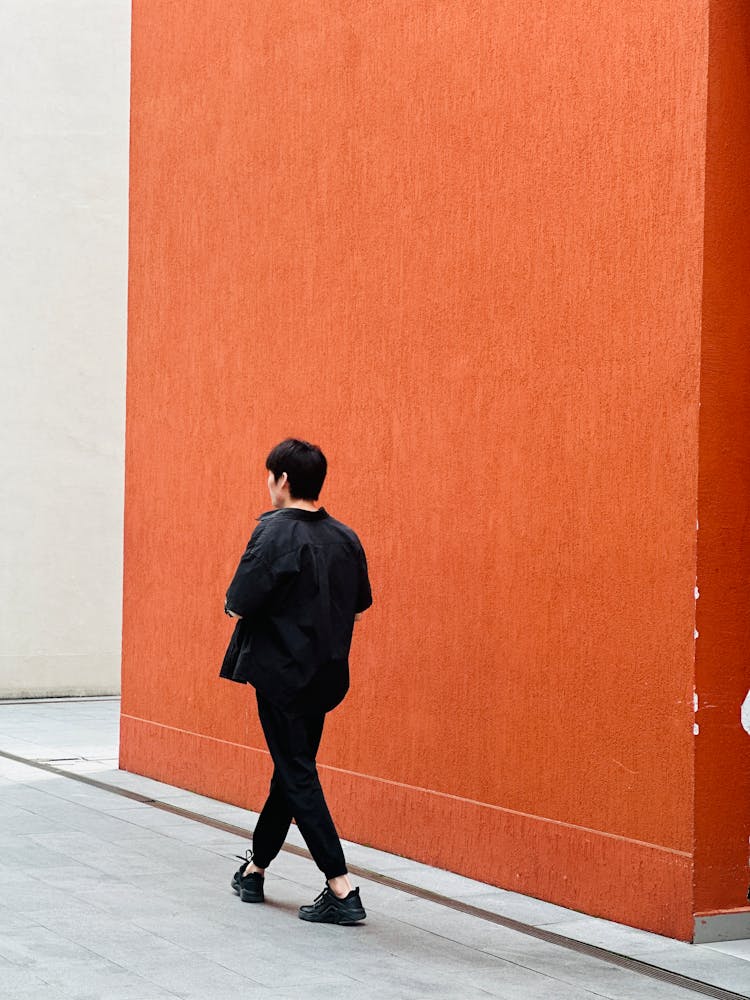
[(282, 480)]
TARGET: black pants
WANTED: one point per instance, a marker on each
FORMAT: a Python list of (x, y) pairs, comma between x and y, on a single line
[(295, 792)]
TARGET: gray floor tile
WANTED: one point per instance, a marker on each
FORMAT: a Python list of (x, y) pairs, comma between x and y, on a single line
[(18, 821), (11, 919), (39, 948), (606, 934), (195, 978), (98, 979), (105, 859), (577, 970), (435, 880), (725, 971), (24, 984), (333, 993), (738, 949), (525, 909), (454, 926)]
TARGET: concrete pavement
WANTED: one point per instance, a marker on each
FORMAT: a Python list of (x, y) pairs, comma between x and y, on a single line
[(120, 898)]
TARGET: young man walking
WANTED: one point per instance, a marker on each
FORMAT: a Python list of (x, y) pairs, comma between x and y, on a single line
[(300, 586)]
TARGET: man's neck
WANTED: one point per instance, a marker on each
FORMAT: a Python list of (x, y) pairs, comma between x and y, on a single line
[(300, 505)]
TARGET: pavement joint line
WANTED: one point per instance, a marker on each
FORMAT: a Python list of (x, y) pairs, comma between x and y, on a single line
[(635, 965), (60, 700)]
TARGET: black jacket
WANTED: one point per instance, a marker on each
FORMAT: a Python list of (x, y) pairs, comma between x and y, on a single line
[(299, 584)]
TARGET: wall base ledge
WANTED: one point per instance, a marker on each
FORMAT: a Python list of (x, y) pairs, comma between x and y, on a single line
[(722, 925), (570, 866)]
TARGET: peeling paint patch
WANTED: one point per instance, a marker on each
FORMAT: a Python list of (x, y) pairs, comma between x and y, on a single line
[(697, 593), (695, 633), (695, 701), (745, 713), (696, 729)]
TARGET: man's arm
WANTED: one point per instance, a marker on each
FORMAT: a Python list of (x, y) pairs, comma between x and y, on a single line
[(364, 592), (252, 584)]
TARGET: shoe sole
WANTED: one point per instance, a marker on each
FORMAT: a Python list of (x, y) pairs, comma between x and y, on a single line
[(252, 899), (244, 896), (343, 921)]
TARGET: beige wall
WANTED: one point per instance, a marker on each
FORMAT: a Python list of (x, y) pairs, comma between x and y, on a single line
[(64, 74)]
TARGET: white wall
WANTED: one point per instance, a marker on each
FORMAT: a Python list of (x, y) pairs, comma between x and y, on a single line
[(64, 116)]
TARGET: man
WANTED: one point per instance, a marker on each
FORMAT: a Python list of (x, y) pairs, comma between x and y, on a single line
[(299, 588)]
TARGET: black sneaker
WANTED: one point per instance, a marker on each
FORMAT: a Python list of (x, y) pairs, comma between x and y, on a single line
[(329, 909), (248, 887)]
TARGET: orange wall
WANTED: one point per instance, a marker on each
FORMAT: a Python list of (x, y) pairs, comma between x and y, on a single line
[(722, 662), (459, 246)]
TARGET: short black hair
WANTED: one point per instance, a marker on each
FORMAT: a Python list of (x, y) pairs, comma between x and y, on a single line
[(305, 466)]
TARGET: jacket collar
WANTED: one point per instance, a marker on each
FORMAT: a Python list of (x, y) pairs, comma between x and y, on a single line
[(297, 514)]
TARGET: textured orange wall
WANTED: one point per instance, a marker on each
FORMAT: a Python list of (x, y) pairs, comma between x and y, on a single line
[(460, 247), (722, 662)]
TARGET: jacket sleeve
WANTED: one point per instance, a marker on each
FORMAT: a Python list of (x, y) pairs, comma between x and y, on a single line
[(364, 592), (252, 584)]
